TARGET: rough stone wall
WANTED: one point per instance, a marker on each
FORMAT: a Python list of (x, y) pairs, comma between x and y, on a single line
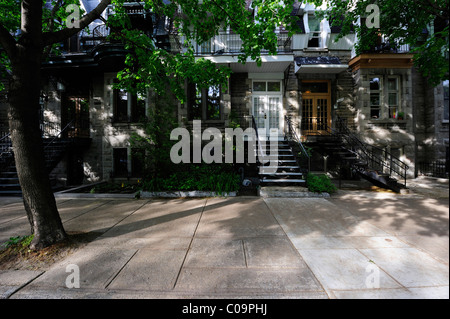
[(240, 98)]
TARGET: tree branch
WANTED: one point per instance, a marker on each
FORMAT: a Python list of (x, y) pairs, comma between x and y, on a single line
[(50, 38), (7, 41)]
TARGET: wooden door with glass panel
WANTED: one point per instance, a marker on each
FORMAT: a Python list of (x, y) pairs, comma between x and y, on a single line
[(316, 107)]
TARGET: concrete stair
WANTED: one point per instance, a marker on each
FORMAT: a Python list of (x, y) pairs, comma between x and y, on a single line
[(286, 172)]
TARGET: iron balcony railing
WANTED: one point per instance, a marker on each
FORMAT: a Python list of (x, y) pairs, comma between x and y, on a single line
[(231, 43)]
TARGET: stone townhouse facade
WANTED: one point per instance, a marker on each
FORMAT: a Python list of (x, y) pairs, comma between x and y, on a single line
[(313, 79)]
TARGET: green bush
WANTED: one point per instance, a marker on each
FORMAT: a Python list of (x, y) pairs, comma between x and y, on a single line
[(214, 178), (320, 184)]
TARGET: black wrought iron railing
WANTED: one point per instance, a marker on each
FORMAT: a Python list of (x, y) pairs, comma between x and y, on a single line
[(438, 168), (52, 147), (258, 145), (374, 157), (304, 156)]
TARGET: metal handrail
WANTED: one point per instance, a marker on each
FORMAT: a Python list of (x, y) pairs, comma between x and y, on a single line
[(293, 135), (70, 124), (258, 144), (395, 164)]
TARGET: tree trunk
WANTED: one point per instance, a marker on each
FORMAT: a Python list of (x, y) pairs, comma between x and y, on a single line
[(38, 197), (24, 94)]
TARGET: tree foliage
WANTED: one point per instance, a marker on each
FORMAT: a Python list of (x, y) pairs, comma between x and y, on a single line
[(32, 30), (401, 22)]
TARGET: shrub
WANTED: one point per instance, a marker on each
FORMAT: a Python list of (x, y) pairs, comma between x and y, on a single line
[(220, 179), (320, 183)]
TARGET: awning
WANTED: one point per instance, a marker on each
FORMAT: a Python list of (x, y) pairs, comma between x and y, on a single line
[(270, 63), (320, 64)]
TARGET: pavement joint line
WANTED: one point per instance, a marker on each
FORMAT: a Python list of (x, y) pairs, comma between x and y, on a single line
[(88, 211), (329, 293), (13, 291), (395, 235), (118, 222), (381, 268), (190, 244), (120, 270), (244, 253)]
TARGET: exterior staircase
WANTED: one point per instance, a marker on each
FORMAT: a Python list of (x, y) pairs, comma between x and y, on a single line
[(374, 164), (286, 172), (54, 150)]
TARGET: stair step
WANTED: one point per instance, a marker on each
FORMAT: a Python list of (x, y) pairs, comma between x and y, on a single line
[(283, 180), (282, 174), (9, 185), (14, 192), (284, 167)]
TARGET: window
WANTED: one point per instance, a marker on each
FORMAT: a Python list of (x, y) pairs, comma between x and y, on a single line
[(375, 97), (314, 87), (128, 107), (120, 158), (267, 86), (213, 103), (138, 102), (393, 96), (137, 162), (314, 32), (204, 103), (120, 106), (445, 88)]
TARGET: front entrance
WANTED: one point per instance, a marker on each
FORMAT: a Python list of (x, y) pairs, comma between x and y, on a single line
[(77, 113), (316, 107), (268, 108)]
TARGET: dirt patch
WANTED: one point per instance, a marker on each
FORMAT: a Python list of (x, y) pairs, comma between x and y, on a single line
[(19, 257)]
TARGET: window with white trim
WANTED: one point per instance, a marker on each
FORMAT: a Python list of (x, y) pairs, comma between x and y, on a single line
[(385, 97), (445, 115), (260, 86), (375, 97), (393, 96), (315, 40)]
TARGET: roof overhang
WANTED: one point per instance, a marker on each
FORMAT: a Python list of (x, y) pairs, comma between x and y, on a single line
[(270, 63), (382, 60), (319, 65)]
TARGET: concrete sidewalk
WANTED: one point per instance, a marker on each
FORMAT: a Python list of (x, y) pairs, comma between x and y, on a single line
[(352, 245)]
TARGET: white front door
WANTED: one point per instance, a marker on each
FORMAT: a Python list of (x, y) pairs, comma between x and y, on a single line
[(267, 110)]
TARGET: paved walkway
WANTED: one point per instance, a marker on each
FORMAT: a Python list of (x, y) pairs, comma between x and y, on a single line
[(356, 244)]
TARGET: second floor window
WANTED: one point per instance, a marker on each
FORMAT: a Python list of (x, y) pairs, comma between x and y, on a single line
[(315, 40)]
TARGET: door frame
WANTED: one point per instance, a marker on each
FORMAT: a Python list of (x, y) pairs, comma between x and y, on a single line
[(315, 97), (266, 95)]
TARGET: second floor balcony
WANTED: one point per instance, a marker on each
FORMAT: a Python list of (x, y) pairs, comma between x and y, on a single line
[(229, 43)]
